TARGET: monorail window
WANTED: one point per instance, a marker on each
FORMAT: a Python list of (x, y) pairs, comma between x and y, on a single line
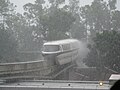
[(51, 48), (66, 47)]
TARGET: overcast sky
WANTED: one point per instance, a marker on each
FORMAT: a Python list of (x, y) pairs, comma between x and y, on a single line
[(20, 3)]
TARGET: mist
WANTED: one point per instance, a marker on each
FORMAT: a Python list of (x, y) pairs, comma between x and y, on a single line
[(83, 51)]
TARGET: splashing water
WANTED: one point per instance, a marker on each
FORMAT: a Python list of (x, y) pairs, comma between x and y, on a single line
[(83, 51)]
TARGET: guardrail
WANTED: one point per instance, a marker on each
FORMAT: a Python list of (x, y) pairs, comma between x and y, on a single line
[(67, 81), (56, 84), (21, 67)]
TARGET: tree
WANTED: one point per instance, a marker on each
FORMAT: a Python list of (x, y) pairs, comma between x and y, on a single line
[(6, 10), (52, 23), (112, 4), (105, 52), (78, 29), (8, 43), (59, 23), (102, 20), (96, 17), (8, 46), (115, 20)]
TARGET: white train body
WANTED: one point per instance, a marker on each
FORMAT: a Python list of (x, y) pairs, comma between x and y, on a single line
[(61, 51)]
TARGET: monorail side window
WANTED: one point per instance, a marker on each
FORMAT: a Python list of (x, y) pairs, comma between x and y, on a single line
[(51, 48), (66, 47)]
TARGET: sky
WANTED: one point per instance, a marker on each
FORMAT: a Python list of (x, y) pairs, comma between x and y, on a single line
[(20, 3)]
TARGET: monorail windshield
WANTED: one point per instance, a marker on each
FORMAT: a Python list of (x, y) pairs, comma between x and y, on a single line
[(51, 48)]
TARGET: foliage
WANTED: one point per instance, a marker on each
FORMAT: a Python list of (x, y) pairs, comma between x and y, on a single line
[(6, 10), (102, 18), (53, 23), (8, 43), (96, 16), (8, 46), (58, 24), (105, 52)]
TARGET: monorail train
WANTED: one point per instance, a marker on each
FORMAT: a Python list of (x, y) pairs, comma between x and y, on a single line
[(61, 52)]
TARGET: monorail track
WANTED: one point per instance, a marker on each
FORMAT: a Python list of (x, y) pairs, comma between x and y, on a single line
[(47, 73)]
